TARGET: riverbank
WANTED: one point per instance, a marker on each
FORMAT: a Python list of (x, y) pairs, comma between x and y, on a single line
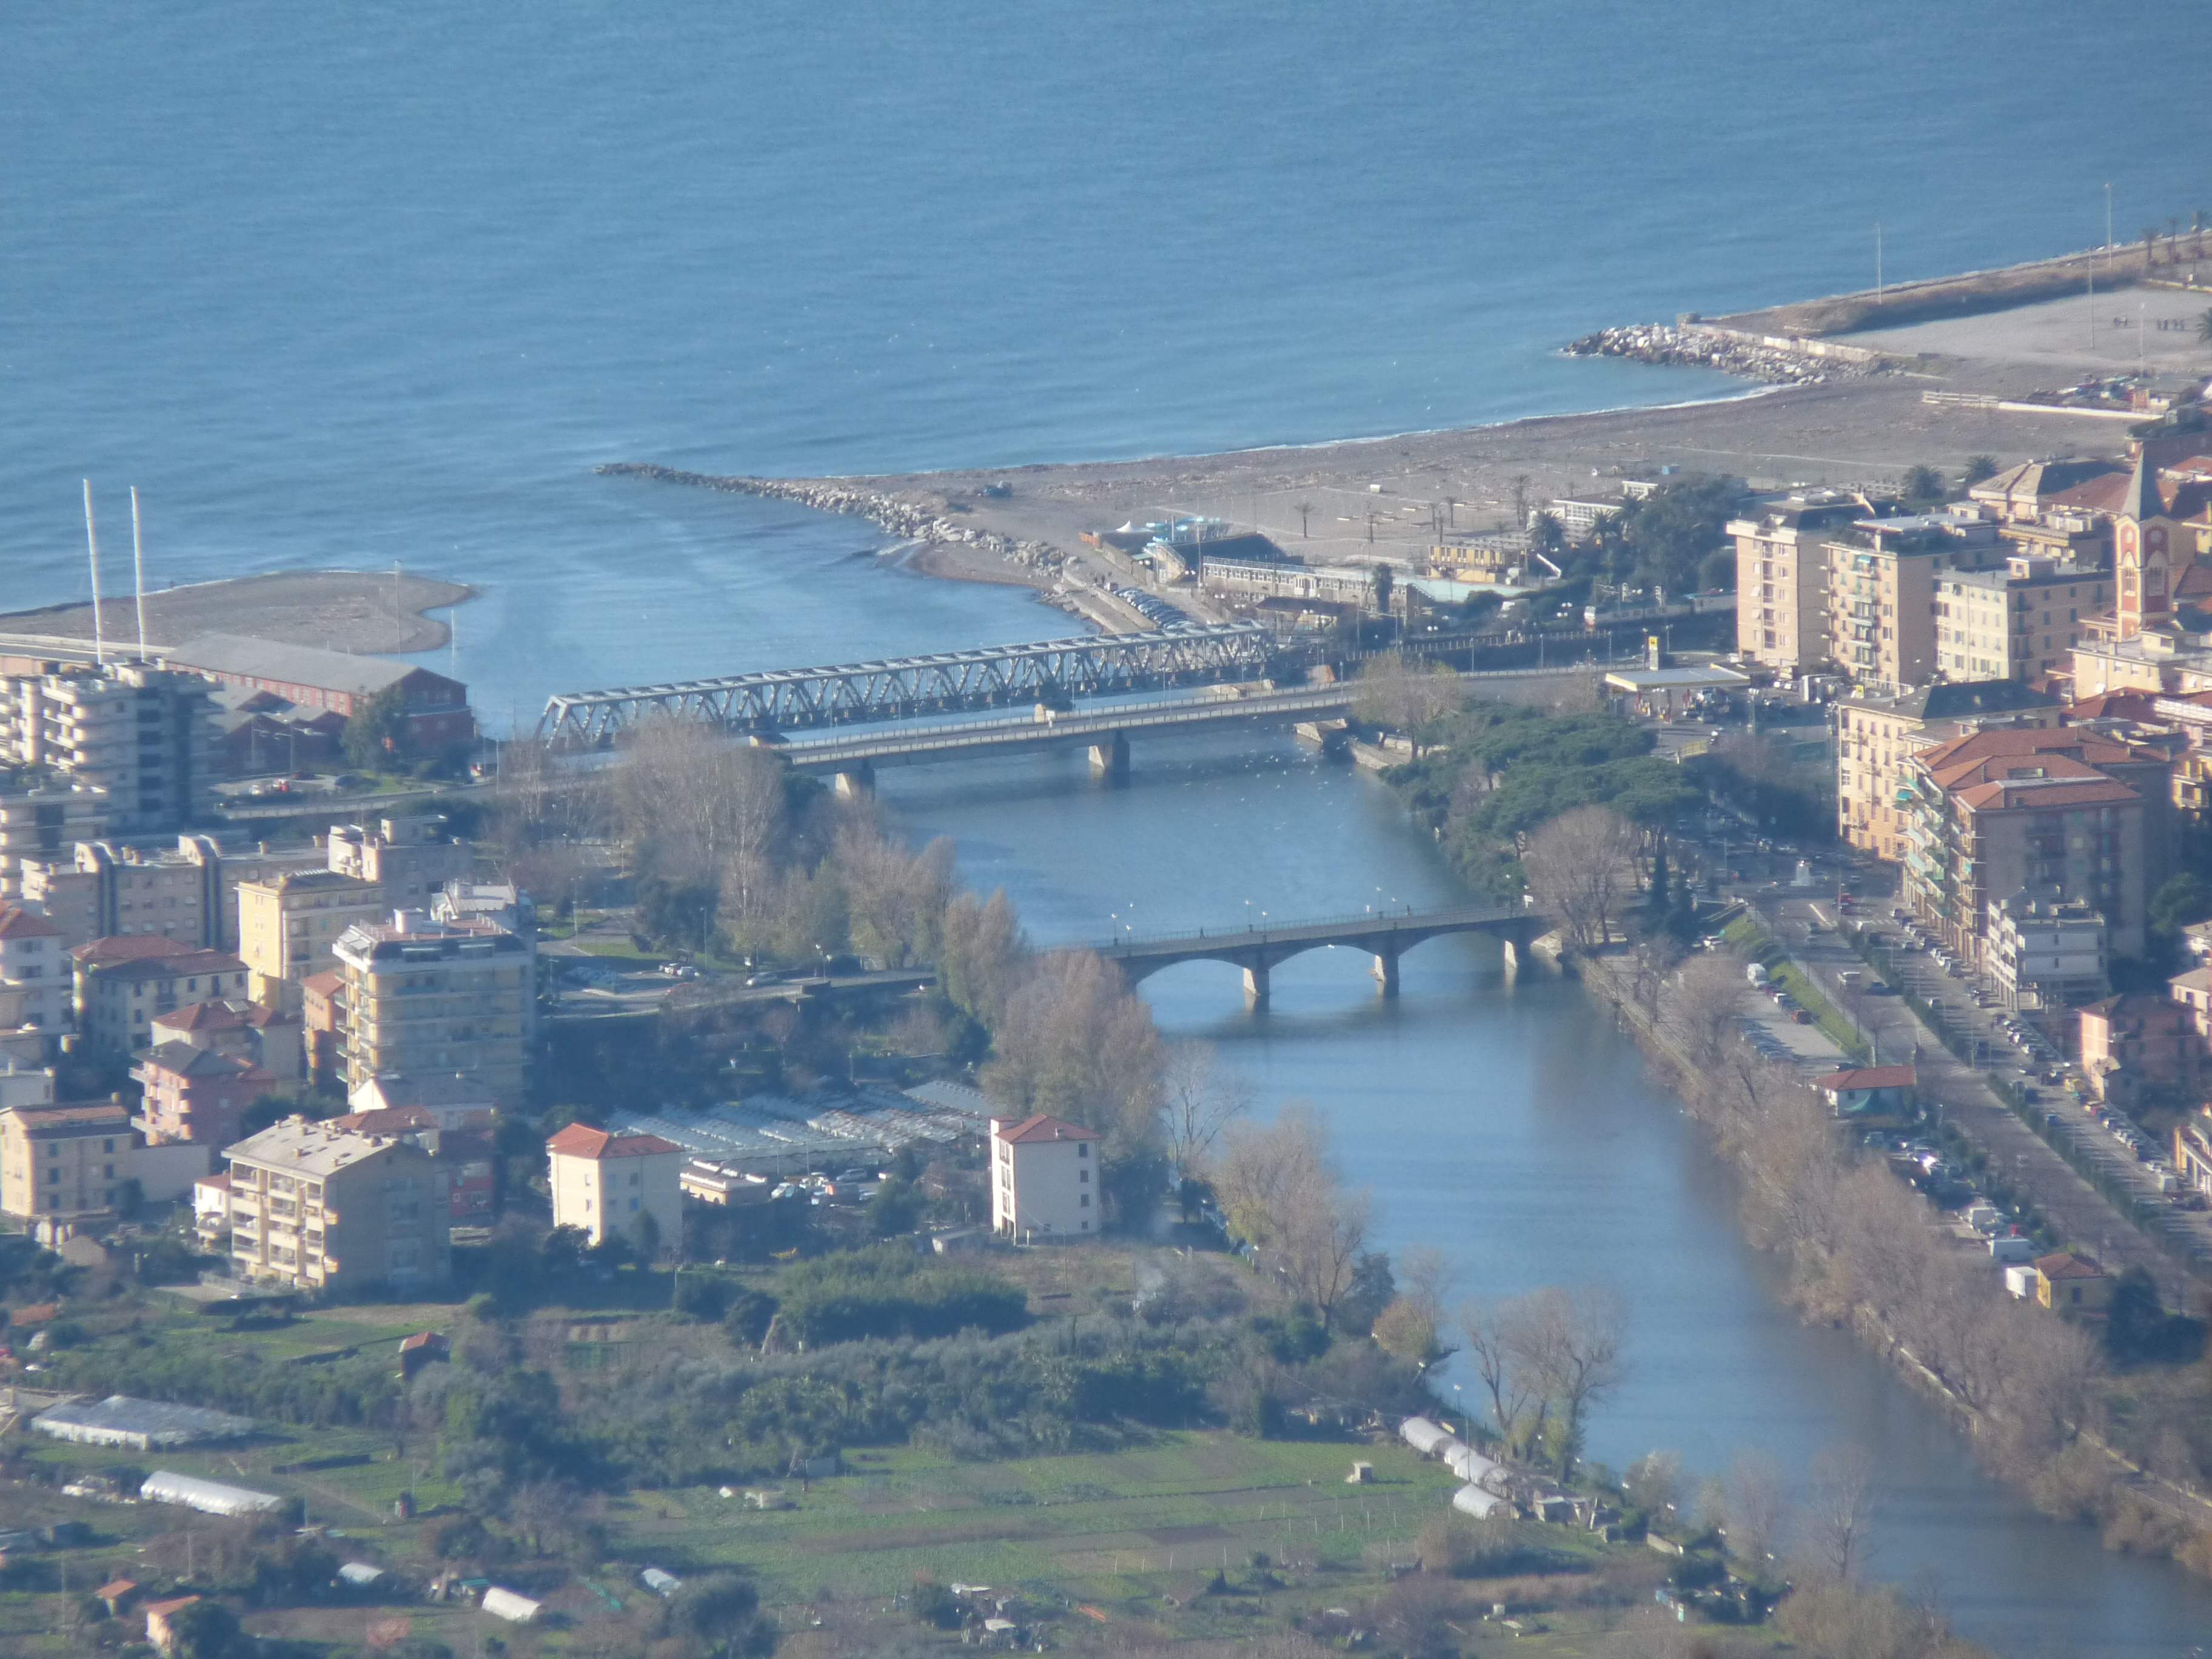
[(373, 613)]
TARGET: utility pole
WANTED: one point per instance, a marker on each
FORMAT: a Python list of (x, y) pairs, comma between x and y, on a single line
[(2108, 224), (1877, 262)]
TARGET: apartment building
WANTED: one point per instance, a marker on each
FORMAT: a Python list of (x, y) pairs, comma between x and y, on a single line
[(271, 1039), (143, 734), (2137, 1041), (426, 998), (1782, 579), (64, 1164), (2018, 622), (608, 1186), (2047, 953), (409, 859), (2158, 635), (119, 997), (1044, 1179), (43, 815), (288, 926), (1881, 597), (1877, 734), (104, 890), (1991, 813), (34, 986), (314, 1205), (195, 1094)]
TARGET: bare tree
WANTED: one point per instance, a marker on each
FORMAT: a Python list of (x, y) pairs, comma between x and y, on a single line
[(1281, 1194), (1840, 1508), (1653, 1483), (1203, 1099), (1581, 867), (1702, 1013), (1402, 695), (1570, 1342), (980, 954), (896, 900), (694, 802), (1412, 1326), (1755, 1505), (1491, 1343)]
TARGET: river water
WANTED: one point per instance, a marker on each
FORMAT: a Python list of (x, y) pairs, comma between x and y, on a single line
[(1502, 1119)]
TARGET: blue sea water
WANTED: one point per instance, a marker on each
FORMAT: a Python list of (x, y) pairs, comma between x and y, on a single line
[(381, 282)]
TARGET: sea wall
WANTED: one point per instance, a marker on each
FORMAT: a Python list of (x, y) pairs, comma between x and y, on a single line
[(1773, 359), (888, 513)]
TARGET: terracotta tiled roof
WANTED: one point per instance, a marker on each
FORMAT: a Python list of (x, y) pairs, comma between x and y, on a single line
[(2067, 1265), (1042, 1127), (581, 1140), (203, 1017), (2044, 792), (1868, 1077), (16, 922), (171, 967), (328, 983)]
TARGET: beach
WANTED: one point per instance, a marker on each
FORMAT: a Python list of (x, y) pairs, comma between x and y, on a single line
[(357, 610)]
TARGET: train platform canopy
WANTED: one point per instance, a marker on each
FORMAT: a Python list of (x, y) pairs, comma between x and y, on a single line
[(140, 1424)]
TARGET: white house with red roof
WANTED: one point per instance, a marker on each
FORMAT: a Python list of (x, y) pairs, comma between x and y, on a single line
[(604, 1184), (1044, 1180)]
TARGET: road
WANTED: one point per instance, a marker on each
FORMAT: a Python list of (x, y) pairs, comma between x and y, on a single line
[(2082, 1214)]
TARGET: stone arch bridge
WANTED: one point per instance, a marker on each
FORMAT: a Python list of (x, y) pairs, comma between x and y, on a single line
[(1384, 935)]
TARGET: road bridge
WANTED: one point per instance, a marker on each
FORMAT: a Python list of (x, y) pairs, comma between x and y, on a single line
[(903, 688), (1386, 935), (852, 758)]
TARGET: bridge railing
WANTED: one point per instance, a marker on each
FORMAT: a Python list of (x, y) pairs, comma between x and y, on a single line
[(1163, 711), (1396, 919)]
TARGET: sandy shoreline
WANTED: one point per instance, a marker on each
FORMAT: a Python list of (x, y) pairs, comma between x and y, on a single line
[(353, 610)]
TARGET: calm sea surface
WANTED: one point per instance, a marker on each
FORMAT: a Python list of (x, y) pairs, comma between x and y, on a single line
[(382, 283)]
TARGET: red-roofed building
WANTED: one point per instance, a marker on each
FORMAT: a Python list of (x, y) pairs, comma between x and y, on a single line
[(617, 1186), (159, 1632), (121, 988), (322, 1016), (467, 1175), (195, 1094), (33, 986), (2071, 1283), (1044, 1180), (2069, 811), (1867, 1093)]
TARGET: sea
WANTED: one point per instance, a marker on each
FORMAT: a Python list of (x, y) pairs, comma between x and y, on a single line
[(381, 285)]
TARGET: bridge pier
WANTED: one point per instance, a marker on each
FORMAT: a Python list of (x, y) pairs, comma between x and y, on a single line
[(855, 782), (1110, 759), (1256, 987), (1386, 971)]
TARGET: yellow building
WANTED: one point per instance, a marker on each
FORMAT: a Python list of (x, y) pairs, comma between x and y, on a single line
[(313, 1205), (1881, 597), (2018, 622), (429, 998), (1782, 579), (1876, 736), (63, 1162), (288, 925)]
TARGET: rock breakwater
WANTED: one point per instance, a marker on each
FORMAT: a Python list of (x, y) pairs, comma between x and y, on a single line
[(1770, 361), (905, 519)]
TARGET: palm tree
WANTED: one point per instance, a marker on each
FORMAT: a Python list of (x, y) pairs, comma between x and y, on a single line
[(2150, 246), (2204, 328), (1304, 509)]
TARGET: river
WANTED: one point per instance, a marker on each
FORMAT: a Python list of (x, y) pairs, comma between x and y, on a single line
[(1504, 1120)]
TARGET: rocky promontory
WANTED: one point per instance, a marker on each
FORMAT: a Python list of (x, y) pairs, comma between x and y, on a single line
[(1774, 362)]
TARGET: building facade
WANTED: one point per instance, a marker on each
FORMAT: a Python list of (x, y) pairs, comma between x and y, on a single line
[(1881, 596), (118, 1000), (2047, 953), (314, 1205), (1782, 579), (141, 733), (607, 1186), (410, 859), (34, 986), (42, 816), (1044, 1180), (247, 1030), (1877, 734), (289, 927), (104, 891), (64, 1164), (435, 709), (425, 998), (2019, 622)]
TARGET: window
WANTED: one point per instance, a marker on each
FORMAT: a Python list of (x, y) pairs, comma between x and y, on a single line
[(1083, 1149), (1084, 1203), (1083, 1175)]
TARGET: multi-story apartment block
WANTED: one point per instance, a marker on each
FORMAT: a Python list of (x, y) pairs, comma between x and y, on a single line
[(1882, 591), (34, 986), (604, 1185), (1044, 1179), (43, 815), (1876, 735), (119, 997), (2064, 809), (106, 890), (314, 1205), (1782, 579), (426, 998), (2015, 624), (288, 925), (64, 1164), (2047, 953), (195, 1094), (269, 1037), (2157, 637), (144, 735), (409, 859)]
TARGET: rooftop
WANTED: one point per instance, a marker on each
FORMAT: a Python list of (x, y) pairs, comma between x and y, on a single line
[(1868, 1077), (581, 1140), (92, 1116), (301, 1147), (15, 922), (172, 966), (153, 1422), (183, 1060), (126, 947), (1042, 1127), (293, 664)]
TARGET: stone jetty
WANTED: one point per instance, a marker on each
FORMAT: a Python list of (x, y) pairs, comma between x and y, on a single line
[(888, 512), (1775, 362)]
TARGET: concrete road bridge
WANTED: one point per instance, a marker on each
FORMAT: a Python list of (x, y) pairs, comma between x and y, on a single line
[(852, 758), (1386, 935), (1049, 672)]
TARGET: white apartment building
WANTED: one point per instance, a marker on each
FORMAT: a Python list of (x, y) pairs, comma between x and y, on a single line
[(604, 1185), (42, 816), (34, 986), (1044, 1180), (2048, 953), (146, 735)]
